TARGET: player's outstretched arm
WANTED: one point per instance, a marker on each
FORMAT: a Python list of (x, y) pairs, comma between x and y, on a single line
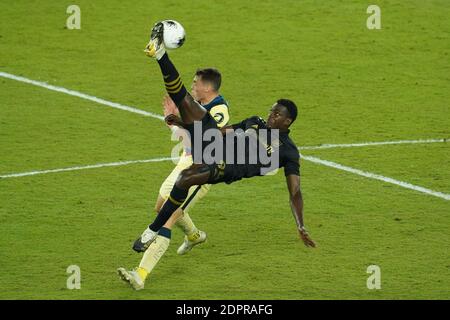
[(240, 125), (296, 201)]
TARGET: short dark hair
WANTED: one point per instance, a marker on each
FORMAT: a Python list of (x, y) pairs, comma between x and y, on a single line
[(290, 106), (210, 75)]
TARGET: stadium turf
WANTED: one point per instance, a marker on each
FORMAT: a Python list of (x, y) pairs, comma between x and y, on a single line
[(351, 84)]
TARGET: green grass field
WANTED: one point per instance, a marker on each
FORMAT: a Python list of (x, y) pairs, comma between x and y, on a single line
[(352, 85)]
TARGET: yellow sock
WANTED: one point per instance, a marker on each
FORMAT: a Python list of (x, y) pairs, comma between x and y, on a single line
[(194, 236), (154, 252), (142, 273), (186, 224)]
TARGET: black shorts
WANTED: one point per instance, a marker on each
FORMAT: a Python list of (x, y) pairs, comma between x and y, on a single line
[(228, 173), (217, 173)]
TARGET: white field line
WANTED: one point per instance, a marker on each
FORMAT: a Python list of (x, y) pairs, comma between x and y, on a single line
[(81, 95), (153, 115), (368, 144), (308, 158), (376, 177), (99, 165), (123, 163), (157, 116)]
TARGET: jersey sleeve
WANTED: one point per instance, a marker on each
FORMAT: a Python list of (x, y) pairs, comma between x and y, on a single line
[(220, 114), (246, 123), (292, 164)]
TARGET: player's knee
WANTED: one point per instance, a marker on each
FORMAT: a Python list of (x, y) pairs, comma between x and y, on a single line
[(185, 179)]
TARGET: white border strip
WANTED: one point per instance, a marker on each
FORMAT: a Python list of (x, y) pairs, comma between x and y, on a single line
[(377, 177), (81, 95), (368, 144), (99, 165)]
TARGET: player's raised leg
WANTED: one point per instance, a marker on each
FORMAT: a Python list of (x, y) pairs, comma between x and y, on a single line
[(193, 235), (197, 174), (190, 110)]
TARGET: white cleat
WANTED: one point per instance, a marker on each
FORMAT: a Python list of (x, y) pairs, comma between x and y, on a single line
[(187, 245), (132, 278)]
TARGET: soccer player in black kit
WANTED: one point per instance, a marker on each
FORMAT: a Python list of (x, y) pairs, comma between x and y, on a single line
[(155, 240)]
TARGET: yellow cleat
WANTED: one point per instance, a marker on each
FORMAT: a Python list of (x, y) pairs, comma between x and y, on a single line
[(187, 244), (155, 48), (150, 49)]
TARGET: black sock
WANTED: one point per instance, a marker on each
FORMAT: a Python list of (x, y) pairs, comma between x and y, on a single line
[(165, 232), (174, 85), (176, 199)]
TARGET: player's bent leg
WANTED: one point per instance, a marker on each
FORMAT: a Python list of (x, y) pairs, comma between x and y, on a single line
[(185, 223), (154, 253), (193, 236), (197, 174), (136, 278), (167, 186), (196, 193), (173, 219), (143, 242)]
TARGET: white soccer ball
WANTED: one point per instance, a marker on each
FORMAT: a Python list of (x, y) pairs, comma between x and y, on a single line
[(173, 34)]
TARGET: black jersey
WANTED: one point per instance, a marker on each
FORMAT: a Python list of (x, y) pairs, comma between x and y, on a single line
[(248, 163)]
